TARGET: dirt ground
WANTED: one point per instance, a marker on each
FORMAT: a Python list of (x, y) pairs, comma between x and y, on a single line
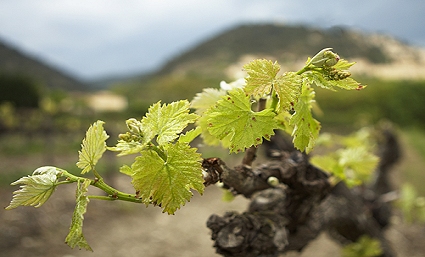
[(111, 228), (127, 229)]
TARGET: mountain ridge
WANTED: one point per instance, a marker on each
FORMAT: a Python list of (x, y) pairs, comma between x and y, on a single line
[(16, 62), (222, 56), (292, 44)]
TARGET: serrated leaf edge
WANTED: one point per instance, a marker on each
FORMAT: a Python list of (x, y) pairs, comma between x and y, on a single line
[(91, 153)]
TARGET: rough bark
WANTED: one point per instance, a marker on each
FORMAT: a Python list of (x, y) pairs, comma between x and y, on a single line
[(304, 204)]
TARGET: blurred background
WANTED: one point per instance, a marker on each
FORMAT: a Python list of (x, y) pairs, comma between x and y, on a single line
[(65, 64)]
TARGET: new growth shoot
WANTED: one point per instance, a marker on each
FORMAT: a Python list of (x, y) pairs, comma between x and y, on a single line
[(167, 168)]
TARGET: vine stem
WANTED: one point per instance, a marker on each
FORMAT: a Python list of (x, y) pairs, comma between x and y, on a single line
[(304, 69), (308, 68), (251, 152), (275, 101), (113, 194)]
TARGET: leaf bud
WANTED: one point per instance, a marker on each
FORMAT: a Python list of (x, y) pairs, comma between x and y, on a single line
[(325, 58), (343, 74), (124, 137), (273, 181), (219, 184), (334, 74), (135, 137), (134, 126)]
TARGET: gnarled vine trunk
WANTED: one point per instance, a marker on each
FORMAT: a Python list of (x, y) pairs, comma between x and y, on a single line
[(288, 216)]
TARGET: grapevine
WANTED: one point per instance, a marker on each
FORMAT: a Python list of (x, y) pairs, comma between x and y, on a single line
[(240, 117)]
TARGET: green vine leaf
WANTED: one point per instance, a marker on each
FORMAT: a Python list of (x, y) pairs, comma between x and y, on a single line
[(306, 128), (207, 98), (35, 189), (288, 88), (364, 247), (207, 137), (233, 121), (353, 165), (261, 77), (167, 121), (334, 77), (133, 141), (190, 135), (411, 204), (75, 236), (126, 148), (347, 83), (360, 161), (354, 162), (93, 147), (202, 102), (125, 169), (343, 64), (316, 78), (166, 177)]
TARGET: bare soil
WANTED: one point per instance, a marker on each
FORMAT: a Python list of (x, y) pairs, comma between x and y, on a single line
[(127, 229)]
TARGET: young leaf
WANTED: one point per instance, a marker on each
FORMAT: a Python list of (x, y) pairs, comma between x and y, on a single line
[(206, 135), (306, 128), (202, 102), (261, 76), (288, 88), (227, 196), (209, 96), (323, 58), (239, 83), (167, 121), (282, 120), (166, 178), (364, 247), (133, 141), (319, 79), (35, 189), (353, 165), (126, 148), (411, 204), (347, 83), (75, 236), (190, 135), (358, 164), (232, 119), (316, 78), (93, 147), (343, 64), (125, 169)]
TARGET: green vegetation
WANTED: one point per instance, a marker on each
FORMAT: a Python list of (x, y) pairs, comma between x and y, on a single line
[(364, 247), (400, 102), (20, 91), (411, 204), (167, 168)]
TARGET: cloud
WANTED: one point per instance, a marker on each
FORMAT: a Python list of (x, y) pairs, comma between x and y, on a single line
[(92, 38)]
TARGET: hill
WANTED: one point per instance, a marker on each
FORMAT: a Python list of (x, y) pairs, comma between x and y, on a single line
[(15, 62), (293, 44), (222, 57)]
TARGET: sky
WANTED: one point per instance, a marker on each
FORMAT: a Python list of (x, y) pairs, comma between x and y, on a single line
[(91, 39)]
